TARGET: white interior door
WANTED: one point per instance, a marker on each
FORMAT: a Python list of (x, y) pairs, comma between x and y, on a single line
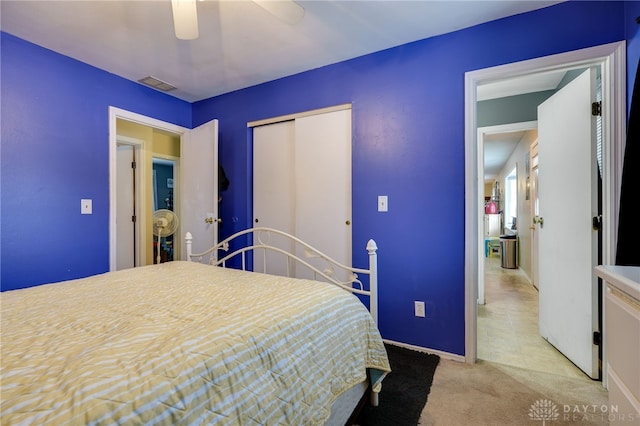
[(567, 193), (125, 207), (198, 183)]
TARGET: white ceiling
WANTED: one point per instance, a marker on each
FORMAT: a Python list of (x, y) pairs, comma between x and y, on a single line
[(240, 43), (498, 147), (539, 82)]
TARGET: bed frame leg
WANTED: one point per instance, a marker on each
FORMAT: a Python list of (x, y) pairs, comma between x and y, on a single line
[(374, 399)]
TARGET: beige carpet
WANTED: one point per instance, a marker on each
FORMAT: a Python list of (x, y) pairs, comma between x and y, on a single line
[(519, 371), (489, 393)]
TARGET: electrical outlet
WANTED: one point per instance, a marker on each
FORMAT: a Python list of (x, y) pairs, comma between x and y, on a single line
[(419, 308)]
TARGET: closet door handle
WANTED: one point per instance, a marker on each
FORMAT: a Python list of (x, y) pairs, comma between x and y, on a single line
[(348, 222)]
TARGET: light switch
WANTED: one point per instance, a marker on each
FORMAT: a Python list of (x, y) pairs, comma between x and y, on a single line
[(86, 206), (383, 203)]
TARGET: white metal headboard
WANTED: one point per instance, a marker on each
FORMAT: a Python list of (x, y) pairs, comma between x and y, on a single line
[(260, 242)]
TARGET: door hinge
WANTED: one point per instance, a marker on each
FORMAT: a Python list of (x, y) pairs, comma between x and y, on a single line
[(133, 218), (133, 164), (597, 338), (596, 108), (597, 223)]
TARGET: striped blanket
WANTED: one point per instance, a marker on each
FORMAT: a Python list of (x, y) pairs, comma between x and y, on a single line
[(182, 343)]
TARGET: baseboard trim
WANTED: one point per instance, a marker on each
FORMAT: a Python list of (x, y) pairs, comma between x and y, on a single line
[(441, 354)]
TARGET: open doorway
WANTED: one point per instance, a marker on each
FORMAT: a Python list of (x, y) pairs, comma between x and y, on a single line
[(147, 165), (568, 313), (565, 307), (508, 303), (194, 153), (609, 58), (502, 147), (507, 318)]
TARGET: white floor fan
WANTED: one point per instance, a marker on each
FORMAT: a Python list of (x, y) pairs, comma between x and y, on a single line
[(165, 223)]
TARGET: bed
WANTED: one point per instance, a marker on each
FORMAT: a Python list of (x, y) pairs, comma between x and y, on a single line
[(193, 342)]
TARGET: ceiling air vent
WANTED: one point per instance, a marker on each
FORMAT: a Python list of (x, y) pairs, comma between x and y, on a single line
[(157, 84)]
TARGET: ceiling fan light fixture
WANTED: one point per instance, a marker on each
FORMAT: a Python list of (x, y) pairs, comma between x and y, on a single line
[(185, 19), (286, 10)]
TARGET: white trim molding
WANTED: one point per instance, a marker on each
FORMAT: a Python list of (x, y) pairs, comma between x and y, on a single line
[(441, 354), (290, 117)]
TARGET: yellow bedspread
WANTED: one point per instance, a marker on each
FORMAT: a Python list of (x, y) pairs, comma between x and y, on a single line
[(182, 343)]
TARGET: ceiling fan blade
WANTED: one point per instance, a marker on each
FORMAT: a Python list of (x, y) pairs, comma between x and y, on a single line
[(185, 19), (286, 10)]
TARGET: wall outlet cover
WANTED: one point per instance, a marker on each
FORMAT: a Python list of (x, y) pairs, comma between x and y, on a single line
[(86, 206)]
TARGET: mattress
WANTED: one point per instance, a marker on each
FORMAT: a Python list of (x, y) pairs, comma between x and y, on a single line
[(183, 343)]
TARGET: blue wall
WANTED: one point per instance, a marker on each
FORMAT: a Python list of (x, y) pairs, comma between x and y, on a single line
[(55, 152), (408, 143)]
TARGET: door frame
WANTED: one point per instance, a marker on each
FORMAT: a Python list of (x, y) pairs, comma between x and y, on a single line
[(138, 146), (114, 115), (533, 166), (611, 57)]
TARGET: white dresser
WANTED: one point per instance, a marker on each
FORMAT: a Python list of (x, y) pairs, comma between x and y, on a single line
[(622, 341)]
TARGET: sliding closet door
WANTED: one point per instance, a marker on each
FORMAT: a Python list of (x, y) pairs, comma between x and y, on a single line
[(302, 183), (323, 183), (273, 188)]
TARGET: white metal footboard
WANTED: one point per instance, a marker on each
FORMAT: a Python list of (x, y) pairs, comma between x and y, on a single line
[(219, 256)]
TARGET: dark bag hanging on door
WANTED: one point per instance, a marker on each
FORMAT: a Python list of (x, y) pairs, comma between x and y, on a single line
[(223, 182), (628, 252)]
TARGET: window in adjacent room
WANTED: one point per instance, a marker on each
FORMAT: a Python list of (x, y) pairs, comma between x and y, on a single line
[(511, 199)]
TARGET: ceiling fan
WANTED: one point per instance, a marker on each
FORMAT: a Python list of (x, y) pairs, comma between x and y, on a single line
[(185, 15)]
